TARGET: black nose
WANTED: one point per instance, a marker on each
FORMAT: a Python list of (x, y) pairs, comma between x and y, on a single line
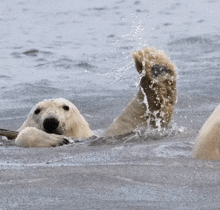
[(50, 124)]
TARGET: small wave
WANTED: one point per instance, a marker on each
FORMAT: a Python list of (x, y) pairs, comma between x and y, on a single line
[(60, 63), (126, 47), (37, 89), (84, 65), (31, 53), (173, 150), (126, 155), (35, 52), (195, 40), (5, 77), (137, 2), (142, 11), (139, 136), (66, 63), (111, 36), (98, 9), (196, 43)]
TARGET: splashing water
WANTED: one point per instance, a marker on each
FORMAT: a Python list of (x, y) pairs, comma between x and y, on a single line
[(136, 39), (140, 135), (136, 35)]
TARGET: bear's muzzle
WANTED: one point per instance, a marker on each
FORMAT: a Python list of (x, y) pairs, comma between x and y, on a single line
[(50, 125)]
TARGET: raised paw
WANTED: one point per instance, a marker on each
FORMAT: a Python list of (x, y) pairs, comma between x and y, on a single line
[(158, 84), (154, 102), (151, 62)]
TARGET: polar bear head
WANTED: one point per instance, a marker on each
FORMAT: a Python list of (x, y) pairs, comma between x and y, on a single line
[(58, 116)]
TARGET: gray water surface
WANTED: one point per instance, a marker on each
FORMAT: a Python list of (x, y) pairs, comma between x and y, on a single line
[(81, 51)]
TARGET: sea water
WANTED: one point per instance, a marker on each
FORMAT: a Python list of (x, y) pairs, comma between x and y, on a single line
[(81, 51)]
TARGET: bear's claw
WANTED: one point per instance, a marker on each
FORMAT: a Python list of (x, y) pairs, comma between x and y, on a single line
[(63, 142)]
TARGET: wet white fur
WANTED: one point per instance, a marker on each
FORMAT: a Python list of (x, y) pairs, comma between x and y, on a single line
[(207, 144), (72, 124)]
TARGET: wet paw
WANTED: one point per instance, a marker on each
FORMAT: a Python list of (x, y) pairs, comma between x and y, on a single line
[(64, 141), (152, 63)]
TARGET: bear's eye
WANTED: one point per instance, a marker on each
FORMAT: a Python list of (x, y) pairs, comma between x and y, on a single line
[(66, 108), (37, 111)]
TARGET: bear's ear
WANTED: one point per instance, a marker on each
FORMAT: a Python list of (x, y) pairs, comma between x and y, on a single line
[(31, 118)]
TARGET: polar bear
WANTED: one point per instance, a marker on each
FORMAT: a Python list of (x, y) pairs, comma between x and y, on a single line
[(207, 144), (57, 117), (55, 121)]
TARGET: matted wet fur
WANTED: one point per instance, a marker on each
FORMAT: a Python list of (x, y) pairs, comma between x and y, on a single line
[(55, 121), (154, 103), (207, 145)]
